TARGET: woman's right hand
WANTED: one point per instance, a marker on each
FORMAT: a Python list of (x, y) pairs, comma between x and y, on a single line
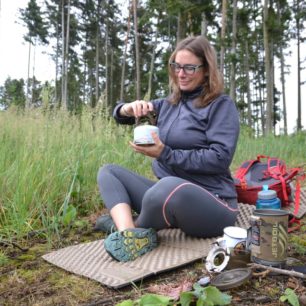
[(136, 109)]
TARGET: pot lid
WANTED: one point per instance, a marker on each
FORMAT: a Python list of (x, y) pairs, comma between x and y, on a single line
[(231, 278)]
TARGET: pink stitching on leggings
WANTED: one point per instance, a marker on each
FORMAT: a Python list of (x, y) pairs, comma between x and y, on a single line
[(178, 187)]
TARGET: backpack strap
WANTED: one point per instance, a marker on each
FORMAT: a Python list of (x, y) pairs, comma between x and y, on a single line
[(297, 199), (279, 172), (243, 170), (259, 157), (276, 169)]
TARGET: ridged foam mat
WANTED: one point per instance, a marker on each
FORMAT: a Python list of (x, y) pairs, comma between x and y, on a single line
[(175, 249), (302, 205)]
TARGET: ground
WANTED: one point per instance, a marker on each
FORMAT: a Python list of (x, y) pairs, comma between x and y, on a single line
[(26, 279)]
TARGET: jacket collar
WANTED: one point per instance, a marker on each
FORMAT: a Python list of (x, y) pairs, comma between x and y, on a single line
[(187, 95)]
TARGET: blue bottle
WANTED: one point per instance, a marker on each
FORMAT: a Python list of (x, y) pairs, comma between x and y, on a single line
[(267, 199)]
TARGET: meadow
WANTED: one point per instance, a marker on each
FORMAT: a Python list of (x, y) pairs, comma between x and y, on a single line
[(49, 162)]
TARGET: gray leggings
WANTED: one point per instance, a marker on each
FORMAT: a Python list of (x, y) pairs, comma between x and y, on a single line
[(170, 202)]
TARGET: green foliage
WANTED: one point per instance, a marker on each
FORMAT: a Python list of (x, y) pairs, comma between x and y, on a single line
[(202, 296), (49, 161), (126, 303), (69, 211), (148, 300), (100, 31), (205, 296), (48, 168), (12, 94), (298, 242), (290, 297), (69, 216), (33, 18), (289, 148), (153, 300), (3, 259)]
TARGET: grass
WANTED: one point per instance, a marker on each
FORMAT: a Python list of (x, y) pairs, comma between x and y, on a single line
[(46, 162), (289, 148), (49, 162)]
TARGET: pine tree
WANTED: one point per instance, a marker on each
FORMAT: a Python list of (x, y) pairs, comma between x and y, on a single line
[(37, 33)]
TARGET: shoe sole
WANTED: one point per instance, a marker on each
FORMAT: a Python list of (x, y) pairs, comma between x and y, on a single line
[(130, 244)]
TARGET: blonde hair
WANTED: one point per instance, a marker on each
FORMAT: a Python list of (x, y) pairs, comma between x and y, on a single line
[(213, 80)]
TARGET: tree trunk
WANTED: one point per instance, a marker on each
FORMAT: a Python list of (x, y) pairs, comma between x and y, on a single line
[(33, 74), (85, 71), (260, 99), (181, 27), (299, 103), (138, 93), (63, 102), (111, 91), (149, 92), (203, 25), (223, 30), (247, 77), (233, 53), (28, 101), (272, 85), (282, 70), (282, 64), (106, 67), (57, 60), (66, 58), (124, 55), (97, 54), (269, 72)]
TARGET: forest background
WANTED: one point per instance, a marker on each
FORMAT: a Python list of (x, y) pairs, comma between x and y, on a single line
[(56, 134), (105, 51)]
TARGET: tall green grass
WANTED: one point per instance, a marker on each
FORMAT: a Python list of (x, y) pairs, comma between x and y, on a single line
[(292, 148), (49, 163)]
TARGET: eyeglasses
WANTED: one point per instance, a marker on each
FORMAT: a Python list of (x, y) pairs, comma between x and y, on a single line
[(188, 69)]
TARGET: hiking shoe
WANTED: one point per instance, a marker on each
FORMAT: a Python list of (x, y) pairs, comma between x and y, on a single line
[(130, 243), (105, 224)]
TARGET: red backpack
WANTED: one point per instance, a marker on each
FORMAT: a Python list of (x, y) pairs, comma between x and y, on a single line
[(253, 174)]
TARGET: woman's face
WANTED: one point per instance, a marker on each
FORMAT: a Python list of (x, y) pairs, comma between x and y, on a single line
[(188, 79)]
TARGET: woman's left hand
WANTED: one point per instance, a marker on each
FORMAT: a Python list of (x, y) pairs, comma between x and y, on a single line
[(150, 150)]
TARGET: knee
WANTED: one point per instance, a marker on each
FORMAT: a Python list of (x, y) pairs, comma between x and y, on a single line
[(104, 171), (153, 199), (156, 196)]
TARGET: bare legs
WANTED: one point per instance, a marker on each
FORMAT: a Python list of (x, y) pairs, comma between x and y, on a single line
[(122, 216)]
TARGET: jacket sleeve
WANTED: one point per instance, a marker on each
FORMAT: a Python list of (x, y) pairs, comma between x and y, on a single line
[(131, 120), (122, 119), (221, 133)]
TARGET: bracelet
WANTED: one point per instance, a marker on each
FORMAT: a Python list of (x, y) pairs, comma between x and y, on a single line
[(125, 113)]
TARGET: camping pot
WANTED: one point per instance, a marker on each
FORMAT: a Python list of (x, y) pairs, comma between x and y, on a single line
[(143, 136), (269, 237)]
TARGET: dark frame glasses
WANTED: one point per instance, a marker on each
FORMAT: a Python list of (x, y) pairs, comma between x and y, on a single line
[(188, 69)]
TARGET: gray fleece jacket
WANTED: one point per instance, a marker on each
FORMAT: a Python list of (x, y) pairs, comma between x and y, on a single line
[(199, 142)]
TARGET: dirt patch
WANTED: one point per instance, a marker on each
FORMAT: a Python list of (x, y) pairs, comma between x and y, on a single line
[(26, 279)]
